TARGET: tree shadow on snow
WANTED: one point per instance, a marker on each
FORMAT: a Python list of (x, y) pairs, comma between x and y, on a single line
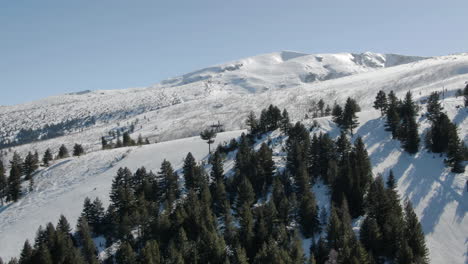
[(430, 182)]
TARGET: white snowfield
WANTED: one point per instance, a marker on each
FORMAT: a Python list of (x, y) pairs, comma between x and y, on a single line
[(182, 106)]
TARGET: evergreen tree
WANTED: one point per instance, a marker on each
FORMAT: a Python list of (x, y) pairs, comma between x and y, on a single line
[(361, 177), (87, 245), (465, 94), (29, 165), (380, 102), (349, 118), (3, 183), (14, 183), (104, 143), (408, 131), (415, 236), (434, 109), (321, 105), (265, 170), (411, 142), (285, 122), (209, 136), (455, 149), (240, 256), (167, 182), (189, 170), (150, 253), (437, 138), (43, 255), (308, 215), (78, 150), (63, 152), (26, 256), (393, 117), (63, 225), (140, 140), (125, 254), (127, 140), (328, 110), (337, 114), (252, 123), (371, 237), (47, 157), (217, 171)]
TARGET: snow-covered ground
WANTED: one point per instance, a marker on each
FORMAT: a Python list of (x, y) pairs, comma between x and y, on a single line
[(62, 187), (182, 106)]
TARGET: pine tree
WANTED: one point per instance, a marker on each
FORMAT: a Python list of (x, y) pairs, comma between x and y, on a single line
[(78, 150), (411, 142), (126, 254), (361, 171), (455, 150), (104, 143), (140, 140), (63, 225), (285, 123), (438, 136), (3, 183), (240, 256), (43, 255), (63, 152), (189, 170), (47, 157), (87, 245), (127, 140), (26, 254), (380, 102), (465, 94), (327, 110), (14, 183), (349, 118), (167, 183), (217, 171), (308, 215), (393, 117), (209, 136), (252, 123), (29, 165), (321, 105), (434, 109), (265, 168), (415, 236), (150, 253), (337, 114), (371, 236)]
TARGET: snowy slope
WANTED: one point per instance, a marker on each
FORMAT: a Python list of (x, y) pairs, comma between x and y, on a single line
[(218, 93), (62, 187), (182, 106), (438, 196)]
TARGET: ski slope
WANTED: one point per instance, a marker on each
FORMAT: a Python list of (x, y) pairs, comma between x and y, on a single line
[(180, 107)]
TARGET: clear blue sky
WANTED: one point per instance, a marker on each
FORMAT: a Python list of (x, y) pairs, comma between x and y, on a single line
[(51, 47)]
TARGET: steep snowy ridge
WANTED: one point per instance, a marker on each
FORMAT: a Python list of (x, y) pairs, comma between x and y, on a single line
[(180, 107)]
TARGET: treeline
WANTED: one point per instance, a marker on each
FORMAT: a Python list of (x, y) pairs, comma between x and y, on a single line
[(25, 136), (258, 215), (126, 141), (24, 169)]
